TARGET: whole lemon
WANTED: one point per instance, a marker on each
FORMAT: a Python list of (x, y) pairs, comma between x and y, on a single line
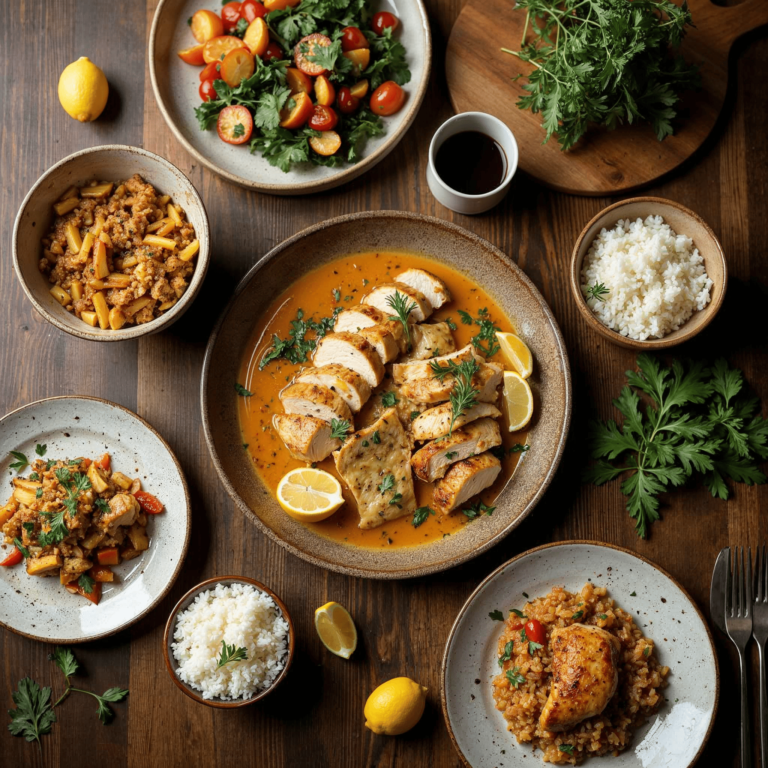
[(83, 90), (395, 706)]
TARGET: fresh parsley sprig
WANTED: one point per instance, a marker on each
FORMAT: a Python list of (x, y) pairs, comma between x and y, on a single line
[(485, 338), (339, 429), (231, 653), (298, 347), (697, 420), (21, 460), (421, 514)]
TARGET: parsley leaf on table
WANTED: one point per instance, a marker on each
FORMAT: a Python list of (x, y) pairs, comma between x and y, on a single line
[(33, 716)]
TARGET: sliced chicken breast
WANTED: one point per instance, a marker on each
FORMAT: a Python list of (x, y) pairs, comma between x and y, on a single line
[(375, 465), (348, 385), (486, 382), (585, 675), (383, 341), (432, 461), (306, 438), (435, 422), (465, 480), (422, 369), (353, 352), (430, 340), (430, 285), (355, 319), (379, 296), (315, 400), (388, 396)]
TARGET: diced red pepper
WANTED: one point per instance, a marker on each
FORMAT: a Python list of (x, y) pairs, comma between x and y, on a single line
[(101, 573), (108, 556), (149, 504), (104, 462), (14, 558)]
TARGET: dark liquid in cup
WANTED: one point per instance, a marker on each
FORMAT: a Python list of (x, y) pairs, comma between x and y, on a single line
[(471, 162)]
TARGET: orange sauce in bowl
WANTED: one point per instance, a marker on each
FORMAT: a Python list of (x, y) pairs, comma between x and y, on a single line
[(343, 283)]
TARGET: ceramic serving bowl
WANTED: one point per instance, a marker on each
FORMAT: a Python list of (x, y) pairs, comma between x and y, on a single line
[(175, 85), (184, 603), (429, 238), (672, 738), (112, 162), (87, 426), (684, 222)]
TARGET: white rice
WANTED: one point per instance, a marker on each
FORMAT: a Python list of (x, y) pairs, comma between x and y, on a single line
[(655, 278), (240, 615)]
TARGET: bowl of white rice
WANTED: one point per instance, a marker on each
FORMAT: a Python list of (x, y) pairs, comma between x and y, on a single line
[(228, 642), (648, 273)]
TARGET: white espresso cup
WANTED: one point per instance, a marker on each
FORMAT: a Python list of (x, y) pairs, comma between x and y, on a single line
[(490, 126)]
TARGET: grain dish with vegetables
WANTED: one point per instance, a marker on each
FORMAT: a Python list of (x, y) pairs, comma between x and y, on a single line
[(118, 253), (75, 519), (578, 676)]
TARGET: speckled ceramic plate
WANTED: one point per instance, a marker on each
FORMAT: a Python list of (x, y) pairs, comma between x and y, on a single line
[(663, 610), (432, 238), (41, 608), (176, 84)]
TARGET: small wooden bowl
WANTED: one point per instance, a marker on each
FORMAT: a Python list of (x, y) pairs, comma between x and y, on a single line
[(684, 222), (184, 603)]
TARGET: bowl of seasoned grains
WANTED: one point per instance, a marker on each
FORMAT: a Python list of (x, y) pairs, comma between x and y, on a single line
[(111, 243)]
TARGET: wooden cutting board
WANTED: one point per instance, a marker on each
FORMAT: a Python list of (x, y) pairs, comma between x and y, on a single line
[(604, 162)]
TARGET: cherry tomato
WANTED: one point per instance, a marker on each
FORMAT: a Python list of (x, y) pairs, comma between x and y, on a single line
[(252, 9), (353, 38), (325, 93), (150, 504), (211, 71), (193, 55), (323, 118), (237, 66), (206, 25), (387, 99), (382, 20), (14, 558), (231, 13), (346, 102), (207, 91), (308, 46), (274, 51), (234, 126), (293, 117), (327, 143), (534, 630)]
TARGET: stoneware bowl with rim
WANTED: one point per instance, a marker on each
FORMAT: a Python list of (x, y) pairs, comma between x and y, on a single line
[(170, 662), (70, 427), (672, 738), (175, 85), (684, 222), (111, 162), (430, 238)]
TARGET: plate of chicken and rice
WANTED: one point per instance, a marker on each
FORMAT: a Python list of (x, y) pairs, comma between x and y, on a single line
[(579, 650), (316, 364)]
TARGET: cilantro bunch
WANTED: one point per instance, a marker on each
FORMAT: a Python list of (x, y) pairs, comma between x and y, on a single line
[(604, 62), (695, 420)]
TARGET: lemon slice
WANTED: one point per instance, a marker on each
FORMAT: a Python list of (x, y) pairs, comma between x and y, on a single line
[(336, 629), (517, 402), (515, 353), (309, 495)]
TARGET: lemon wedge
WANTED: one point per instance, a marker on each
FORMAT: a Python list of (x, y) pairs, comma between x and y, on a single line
[(83, 90), (515, 353), (309, 495), (517, 401), (336, 629), (395, 706)]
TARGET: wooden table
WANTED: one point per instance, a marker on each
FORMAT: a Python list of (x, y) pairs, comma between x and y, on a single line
[(315, 719)]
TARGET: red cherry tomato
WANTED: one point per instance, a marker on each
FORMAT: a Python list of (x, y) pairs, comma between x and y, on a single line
[(252, 9), (534, 630), (387, 99), (207, 91), (211, 71), (14, 558), (231, 13), (352, 39), (382, 20), (323, 118), (234, 126), (346, 102), (274, 51), (150, 504)]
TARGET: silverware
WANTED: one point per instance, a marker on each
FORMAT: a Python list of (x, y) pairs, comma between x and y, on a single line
[(760, 633), (738, 626), (717, 591)]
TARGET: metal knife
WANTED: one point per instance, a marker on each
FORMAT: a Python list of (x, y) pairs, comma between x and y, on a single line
[(717, 590)]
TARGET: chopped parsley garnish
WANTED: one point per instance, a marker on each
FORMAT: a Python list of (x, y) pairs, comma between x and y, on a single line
[(485, 339), (514, 677), (508, 650), (39, 493), (34, 477), (387, 484), (336, 294), (29, 528), (450, 323), (420, 515), (415, 414), (496, 615), (85, 582), (375, 437), (24, 551), (102, 506), (396, 499), (58, 528), (242, 391), (532, 647), (519, 614), (567, 748), (476, 509), (576, 616), (239, 129), (365, 443), (633, 594), (41, 449), (74, 484), (21, 460), (602, 616), (388, 399), (339, 429), (450, 454)]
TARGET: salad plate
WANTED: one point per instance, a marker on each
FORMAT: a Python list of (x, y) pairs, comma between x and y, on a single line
[(176, 83)]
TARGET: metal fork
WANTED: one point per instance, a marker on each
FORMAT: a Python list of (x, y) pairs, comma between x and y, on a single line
[(738, 625), (760, 633)]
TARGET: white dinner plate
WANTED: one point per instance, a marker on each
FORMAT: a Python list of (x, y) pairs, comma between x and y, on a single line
[(176, 85), (673, 738), (71, 427)]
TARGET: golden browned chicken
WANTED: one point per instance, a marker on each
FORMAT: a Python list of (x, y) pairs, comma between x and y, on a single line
[(584, 675)]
